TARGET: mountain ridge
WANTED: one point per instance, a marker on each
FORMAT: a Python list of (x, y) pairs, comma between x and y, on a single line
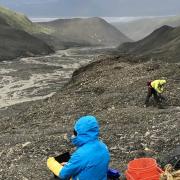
[(20, 21), (164, 43), (139, 29), (94, 31)]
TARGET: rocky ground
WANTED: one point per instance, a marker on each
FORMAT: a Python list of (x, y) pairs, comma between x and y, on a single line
[(113, 88)]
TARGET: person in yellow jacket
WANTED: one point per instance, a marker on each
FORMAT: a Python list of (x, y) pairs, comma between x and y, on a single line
[(155, 88)]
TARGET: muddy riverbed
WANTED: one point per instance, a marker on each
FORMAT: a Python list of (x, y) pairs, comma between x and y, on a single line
[(35, 78)]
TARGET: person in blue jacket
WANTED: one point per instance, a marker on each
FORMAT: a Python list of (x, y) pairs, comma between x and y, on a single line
[(90, 160)]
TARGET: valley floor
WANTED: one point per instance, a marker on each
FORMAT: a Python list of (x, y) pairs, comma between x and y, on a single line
[(35, 78)]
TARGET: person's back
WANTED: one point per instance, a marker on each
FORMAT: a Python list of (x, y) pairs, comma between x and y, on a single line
[(94, 161), (158, 85)]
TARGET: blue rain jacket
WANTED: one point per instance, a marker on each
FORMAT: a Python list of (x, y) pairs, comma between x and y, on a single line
[(90, 160)]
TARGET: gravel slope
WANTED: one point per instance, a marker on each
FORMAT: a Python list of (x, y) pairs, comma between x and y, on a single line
[(113, 89)]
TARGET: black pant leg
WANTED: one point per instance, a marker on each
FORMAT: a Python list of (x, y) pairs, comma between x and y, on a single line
[(156, 97), (149, 94)]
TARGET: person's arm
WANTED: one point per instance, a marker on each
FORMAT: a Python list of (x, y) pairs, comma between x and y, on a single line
[(54, 166), (73, 167), (162, 98)]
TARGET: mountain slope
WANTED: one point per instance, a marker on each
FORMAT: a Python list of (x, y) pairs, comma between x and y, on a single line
[(140, 28), (20, 21), (163, 42), (15, 41), (93, 31)]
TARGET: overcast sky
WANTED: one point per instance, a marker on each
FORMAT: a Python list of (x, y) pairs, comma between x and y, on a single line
[(86, 8)]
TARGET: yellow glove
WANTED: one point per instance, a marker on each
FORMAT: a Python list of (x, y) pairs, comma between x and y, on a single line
[(54, 166)]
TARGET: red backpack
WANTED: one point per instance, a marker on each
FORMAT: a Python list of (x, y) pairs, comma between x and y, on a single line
[(149, 83)]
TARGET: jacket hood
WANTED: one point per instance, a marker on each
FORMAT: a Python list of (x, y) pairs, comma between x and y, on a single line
[(87, 129), (162, 82)]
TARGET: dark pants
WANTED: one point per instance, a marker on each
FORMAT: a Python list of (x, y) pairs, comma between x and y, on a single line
[(152, 91)]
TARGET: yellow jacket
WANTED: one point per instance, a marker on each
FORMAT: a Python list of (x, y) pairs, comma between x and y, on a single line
[(158, 85)]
